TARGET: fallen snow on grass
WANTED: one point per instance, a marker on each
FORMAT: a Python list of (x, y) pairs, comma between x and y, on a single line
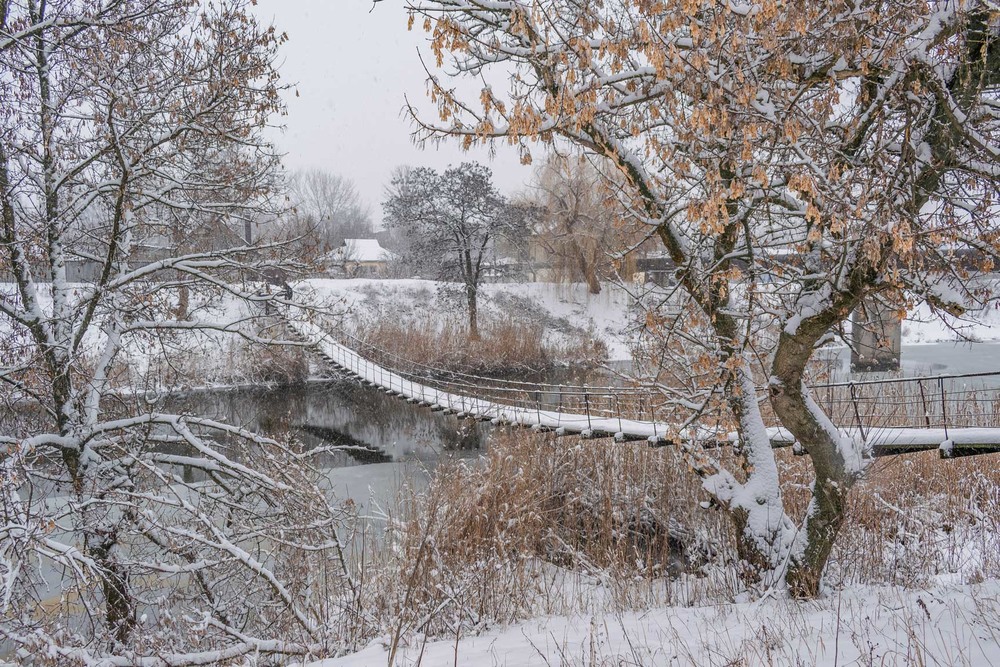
[(565, 310), (944, 625)]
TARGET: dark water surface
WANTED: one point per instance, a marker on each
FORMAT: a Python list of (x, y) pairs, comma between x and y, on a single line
[(385, 441), (336, 412)]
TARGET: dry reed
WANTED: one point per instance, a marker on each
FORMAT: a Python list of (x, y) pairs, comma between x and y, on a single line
[(507, 346), (563, 526)]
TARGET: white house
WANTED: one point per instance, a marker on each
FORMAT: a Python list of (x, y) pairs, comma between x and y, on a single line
[(359, 258)]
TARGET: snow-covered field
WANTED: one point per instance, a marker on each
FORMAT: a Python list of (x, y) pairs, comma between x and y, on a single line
[(564, 309), (570, 308), (946, 624)]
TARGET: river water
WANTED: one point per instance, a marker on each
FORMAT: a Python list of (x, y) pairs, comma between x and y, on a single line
[(386, 441), (390, 441), (925, 359)]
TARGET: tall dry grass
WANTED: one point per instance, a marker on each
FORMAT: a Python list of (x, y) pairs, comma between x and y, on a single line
[(567, 526), (913, 517), (507, 346), (916, 517), (539, 527)]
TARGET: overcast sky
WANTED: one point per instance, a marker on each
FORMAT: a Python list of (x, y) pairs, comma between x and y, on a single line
[(352, 69)]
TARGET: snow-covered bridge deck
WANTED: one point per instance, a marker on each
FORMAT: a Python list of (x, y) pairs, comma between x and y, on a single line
[(531, 414)]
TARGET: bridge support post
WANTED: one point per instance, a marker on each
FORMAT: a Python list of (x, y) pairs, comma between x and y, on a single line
[(876, 336)]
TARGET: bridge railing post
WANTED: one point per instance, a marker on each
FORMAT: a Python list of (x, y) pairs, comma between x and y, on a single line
[(618, 411), (944, 407), (652, 418), (586, 405), (559, 407), (857, 412), (923, 403), (829, 390)]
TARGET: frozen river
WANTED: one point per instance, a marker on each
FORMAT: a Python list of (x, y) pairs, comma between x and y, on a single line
[(951, 358), (932, 359)]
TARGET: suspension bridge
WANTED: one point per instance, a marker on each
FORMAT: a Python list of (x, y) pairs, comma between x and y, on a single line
[(955, 414)]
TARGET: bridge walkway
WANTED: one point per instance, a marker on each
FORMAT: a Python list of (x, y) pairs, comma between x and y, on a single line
[(610, 412)]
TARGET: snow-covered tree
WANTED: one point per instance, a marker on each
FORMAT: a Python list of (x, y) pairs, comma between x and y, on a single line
[(327, 208), (131, 140), (795, 157), (452, 222)]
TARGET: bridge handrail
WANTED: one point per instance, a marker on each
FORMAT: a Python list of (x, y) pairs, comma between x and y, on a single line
[(926, 410), (932, 404), (529, 388), (901, 380), (435, 373)]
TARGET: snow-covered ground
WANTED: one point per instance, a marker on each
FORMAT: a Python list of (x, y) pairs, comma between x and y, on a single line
[(944, 625), (563, 309), (566, 308)]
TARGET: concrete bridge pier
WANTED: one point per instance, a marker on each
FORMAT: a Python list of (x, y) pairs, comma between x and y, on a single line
[(876, 332)]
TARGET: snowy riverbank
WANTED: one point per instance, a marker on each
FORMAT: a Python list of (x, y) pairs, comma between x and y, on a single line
[(570, 308), (564, 310), (946, 624)]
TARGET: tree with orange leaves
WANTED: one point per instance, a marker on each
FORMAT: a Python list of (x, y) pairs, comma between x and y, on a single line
[(795, 157)]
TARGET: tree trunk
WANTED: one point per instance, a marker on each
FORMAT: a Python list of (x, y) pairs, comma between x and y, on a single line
[(593, 283), (756, 506), (797, 412), (587, 268), (471, 295), (183, 302), (119, 606), (826, 515), (758, 512)]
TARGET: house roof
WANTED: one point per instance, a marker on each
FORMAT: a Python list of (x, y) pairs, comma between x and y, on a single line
[(362, 250)]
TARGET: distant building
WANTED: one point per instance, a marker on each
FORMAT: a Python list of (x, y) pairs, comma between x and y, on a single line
[(656, 268), (359, 258)]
